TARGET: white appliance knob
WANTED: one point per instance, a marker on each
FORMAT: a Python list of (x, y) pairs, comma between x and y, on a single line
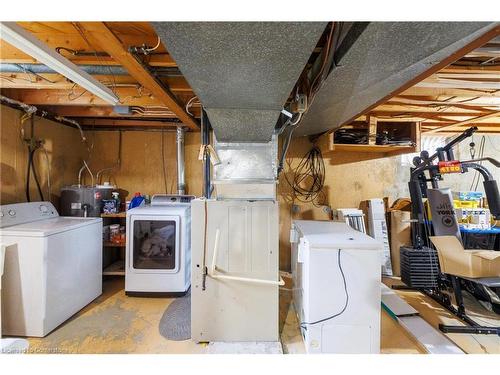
[(44, 208), (12, 213)]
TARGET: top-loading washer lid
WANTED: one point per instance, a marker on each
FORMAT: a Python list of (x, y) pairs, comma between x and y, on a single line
[(47, 227)]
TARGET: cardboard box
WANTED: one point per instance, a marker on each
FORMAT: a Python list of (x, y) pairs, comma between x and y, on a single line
[(455, 260), (400, 235)]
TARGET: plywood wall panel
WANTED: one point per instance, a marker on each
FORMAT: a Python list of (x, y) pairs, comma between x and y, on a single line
[(141, 167), (65, 150)]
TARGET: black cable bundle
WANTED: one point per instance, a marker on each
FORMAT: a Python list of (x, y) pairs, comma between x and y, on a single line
[(309, 176), (31, 168)]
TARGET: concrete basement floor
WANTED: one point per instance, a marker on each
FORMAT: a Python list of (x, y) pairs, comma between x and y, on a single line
[(115, 323)]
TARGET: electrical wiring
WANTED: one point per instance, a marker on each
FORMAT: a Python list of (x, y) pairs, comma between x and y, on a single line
[(190, 103), (31, 73), (314, 86), (290, 124), (33, 145), (154, 48), (139, 95), (346, 303), (71, 94), (308, 178), (32, 168), (152, 111), (28, 171), (49, 188), (477, 177), (317, 82), (35, 175), (96, 54)]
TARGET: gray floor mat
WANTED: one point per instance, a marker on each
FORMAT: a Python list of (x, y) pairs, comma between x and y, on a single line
[(175, 324)]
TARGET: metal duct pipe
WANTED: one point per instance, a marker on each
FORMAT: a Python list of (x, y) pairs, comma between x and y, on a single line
[(181, 184), (90, 69), (266, 57)]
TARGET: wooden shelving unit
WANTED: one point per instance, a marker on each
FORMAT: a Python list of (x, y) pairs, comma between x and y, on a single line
[(112, 244), (372, 148), (412, 129), (119, 214), (117, 267)]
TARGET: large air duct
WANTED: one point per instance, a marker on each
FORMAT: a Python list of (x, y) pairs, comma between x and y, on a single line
[(242, 72)]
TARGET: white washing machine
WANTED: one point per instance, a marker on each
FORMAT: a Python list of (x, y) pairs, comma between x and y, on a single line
[(158, 250), (53, 267)]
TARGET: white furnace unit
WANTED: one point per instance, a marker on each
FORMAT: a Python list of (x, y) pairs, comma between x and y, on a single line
[(158, 249), (336, 276), (235, 277), (53, 267)]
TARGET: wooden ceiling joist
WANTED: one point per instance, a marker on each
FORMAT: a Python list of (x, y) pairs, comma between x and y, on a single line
[(128, 96), (473, 120), (101, 111), (109, 42), (57, 81), (67, 35), (9, 54), (132, 123), (446, 92)]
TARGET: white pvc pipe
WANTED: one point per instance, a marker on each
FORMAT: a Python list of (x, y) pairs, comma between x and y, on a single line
[(213, 268), (216, 248), (281, 282)]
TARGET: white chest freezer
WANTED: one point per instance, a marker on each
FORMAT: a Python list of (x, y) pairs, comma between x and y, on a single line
[(336, 276), (53, 267)]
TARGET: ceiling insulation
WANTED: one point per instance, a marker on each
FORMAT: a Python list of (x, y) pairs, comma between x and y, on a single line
[(242, 72), (375, 59)]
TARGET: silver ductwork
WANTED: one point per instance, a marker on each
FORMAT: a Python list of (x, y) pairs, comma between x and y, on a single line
[(181, 182), (90, 69)]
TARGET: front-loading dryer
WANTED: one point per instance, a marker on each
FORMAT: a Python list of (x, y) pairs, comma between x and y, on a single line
[(158, 249)]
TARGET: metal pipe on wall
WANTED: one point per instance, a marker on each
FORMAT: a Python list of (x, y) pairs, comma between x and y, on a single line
[(115, 70), (181, 182), (41, 113)]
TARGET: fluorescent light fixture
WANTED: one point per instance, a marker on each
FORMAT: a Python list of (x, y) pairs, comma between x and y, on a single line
[(26, 42)]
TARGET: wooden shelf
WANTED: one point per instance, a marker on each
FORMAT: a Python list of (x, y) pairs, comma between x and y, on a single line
[(411, 130), (371, 148), (119, 214), (112, 244), (115, 269)]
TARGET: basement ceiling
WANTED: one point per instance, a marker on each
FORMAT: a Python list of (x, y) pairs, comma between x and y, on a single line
[(464, 88), (376, 59)]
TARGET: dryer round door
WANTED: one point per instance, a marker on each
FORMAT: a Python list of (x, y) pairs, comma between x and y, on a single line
[(154, 244)]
